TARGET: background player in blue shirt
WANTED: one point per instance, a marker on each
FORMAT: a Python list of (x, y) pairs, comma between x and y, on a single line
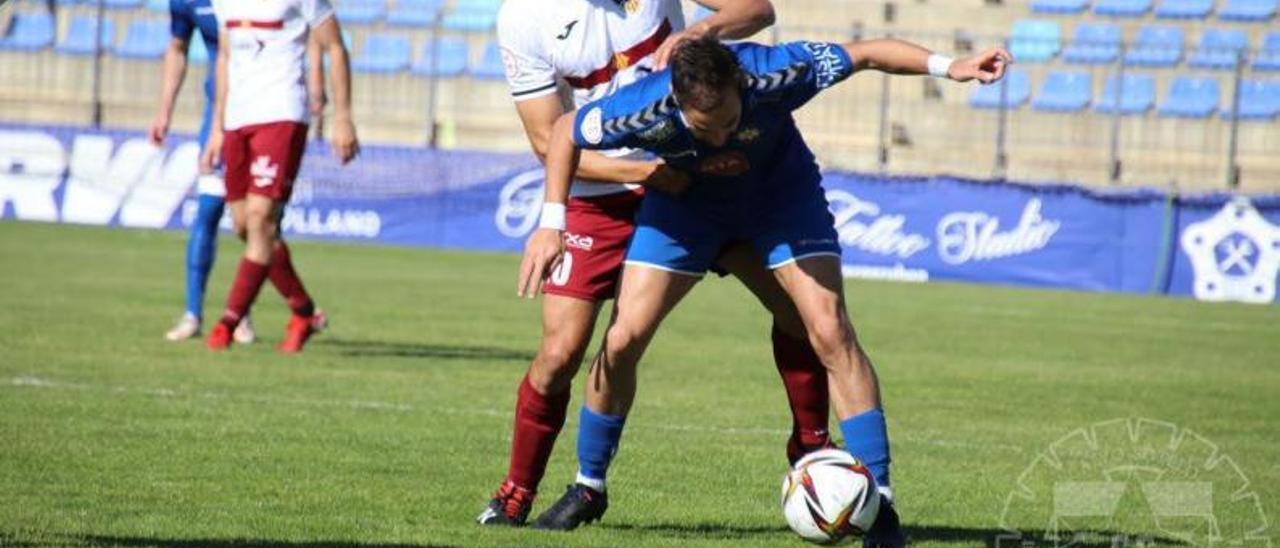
[(186, 17), (724, 115)]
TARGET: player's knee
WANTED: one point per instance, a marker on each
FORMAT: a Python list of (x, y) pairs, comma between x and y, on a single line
[(554, 367), (627, 340), (831, 336)]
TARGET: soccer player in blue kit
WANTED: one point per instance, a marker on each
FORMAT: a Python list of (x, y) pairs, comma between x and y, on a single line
[(724, 113), (186, 17)]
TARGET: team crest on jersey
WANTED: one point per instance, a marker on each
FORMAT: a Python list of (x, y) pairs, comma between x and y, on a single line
[(658, 132), (632, 6), (748, 135), (592, 126)]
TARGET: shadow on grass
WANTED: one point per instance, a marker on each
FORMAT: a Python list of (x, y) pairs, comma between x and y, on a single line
[(103, 540), (990, 537), (699, 530), (395, 349), (1031, 538)]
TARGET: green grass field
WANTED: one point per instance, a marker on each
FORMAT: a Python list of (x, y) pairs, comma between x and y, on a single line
[(393, 427)]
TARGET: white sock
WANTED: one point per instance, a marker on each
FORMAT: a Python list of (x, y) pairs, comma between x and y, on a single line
[(886, 492), (597, 484)]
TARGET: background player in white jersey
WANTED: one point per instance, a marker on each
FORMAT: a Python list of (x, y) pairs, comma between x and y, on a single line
[(564, 54), (262, 108)]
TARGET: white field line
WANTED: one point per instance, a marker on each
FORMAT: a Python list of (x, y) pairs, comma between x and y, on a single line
[(28, 381)]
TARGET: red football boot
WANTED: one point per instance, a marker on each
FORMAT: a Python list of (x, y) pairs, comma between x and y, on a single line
[(219, 337), (300, 329)]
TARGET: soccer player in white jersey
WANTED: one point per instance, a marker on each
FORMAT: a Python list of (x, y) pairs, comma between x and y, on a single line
[(260, 130), (575, 51)]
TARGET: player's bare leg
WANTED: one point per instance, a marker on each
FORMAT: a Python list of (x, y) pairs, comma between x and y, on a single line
[(816, 286), (542, 401), (645, 297), (803, 375)]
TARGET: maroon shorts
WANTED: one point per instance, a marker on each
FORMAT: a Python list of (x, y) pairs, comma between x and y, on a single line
[(597, 231), (263, 159)]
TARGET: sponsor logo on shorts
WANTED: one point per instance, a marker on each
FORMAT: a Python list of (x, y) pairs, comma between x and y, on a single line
[(584, 243), (263, 171)]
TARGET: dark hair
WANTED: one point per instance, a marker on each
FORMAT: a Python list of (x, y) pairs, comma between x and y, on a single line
[(701, 70)]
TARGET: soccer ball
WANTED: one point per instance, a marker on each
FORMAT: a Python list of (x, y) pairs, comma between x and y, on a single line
[(829, 496)]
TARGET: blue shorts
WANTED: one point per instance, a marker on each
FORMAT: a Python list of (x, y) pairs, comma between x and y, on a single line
[(677, 235)]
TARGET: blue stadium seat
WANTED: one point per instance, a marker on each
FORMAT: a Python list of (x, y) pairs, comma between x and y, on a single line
[(121, 4), (1122, 8), (144, 39), (1259, 100), (1248, 10), (1094, 43), (360, 12), (1184, 9), (1219, 48), (1156, 46), (1138, 96), (414, 13), (383, 53), (1059, 6), (451, 61), (79, 39), (1064, 91), (1019, 90), (159, 6), (472, 15), (29, 31), (1035, 40), (1191, 97), (1268, 58), (490, 65)]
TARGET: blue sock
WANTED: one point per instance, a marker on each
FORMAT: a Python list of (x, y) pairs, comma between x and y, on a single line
[(201, 248), (866, 438), (598, 437)]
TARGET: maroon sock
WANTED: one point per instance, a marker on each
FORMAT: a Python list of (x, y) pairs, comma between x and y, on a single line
[(244, 290), (805, 379), (538, 422), (287, 282)]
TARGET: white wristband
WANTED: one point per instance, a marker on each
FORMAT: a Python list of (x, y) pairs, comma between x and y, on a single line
[(939, 65), (552, 216)]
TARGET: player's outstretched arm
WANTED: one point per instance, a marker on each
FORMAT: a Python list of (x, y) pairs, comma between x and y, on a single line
[(212, 153), (545, 247), (328, 36), (901, 57), (732, 20), (175, 70), (539, 115)]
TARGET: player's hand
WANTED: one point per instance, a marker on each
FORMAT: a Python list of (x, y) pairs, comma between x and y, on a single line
[(668, 46), (343, 141), (159, 130), (667, 179), (211, 156), (542, 254), (985, 67)]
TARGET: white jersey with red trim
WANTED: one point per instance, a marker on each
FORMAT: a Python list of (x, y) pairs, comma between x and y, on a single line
[(584, 48), (267, 40)]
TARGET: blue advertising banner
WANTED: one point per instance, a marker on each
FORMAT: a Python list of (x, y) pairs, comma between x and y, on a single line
[(1215, 247)]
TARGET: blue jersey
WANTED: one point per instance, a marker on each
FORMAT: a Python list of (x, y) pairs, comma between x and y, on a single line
[(779, 79), (185, 17)]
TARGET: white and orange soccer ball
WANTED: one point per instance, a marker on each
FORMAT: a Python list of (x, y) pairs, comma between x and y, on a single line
[(829, 496)]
